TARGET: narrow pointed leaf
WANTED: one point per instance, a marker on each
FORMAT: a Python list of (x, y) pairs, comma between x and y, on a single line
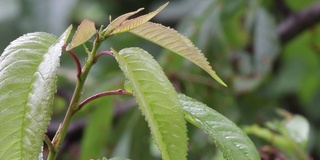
[(115, 23), (177, 43), (230, 139), (136, 22), (157, 100), (27, 85), (83, 33)]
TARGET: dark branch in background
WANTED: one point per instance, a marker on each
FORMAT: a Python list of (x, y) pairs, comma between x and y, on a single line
[(298, 22), (282, 8), (64, 93), (289, 28)]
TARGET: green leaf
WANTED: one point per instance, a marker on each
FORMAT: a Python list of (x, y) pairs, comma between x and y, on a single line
[(83, 33), (27, 84), (97, 129), (296, 5), (157, 100), (266, 44), (128, 25), (229, 138), (127, 86), (123, 146), (286, 144), (175, 42), (119, 158)]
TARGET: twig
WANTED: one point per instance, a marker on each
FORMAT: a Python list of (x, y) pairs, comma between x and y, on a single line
[(74, 103), (48, 142), (106, 93), (298, 22), (105, 52), (76, 60)]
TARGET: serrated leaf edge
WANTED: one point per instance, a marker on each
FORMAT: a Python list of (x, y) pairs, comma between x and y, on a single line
[(167, 37), (128, 25), (205, 125), (154, 130)]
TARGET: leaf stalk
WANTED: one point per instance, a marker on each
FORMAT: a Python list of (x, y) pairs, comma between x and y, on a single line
[(76, 60), (47, 140), (101, 94)]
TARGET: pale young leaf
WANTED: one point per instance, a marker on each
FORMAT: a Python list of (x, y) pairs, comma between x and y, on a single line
[(136, 22), (83, 33), (177, 43)]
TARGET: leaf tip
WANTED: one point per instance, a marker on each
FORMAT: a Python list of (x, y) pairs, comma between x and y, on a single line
[(219, 80), (83, 33), (166, 4)]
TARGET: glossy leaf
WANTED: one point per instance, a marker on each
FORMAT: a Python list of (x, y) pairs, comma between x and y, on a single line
[(229, 138), (28, 69), (136, 22), (83, 33), (175, 42), (157, 100)]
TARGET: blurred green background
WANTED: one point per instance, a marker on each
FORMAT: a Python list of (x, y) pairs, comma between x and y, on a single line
[(272, 83)]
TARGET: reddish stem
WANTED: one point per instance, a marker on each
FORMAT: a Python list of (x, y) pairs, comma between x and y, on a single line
[(101, 94), (76, 60), (105, 52), (48, 142)]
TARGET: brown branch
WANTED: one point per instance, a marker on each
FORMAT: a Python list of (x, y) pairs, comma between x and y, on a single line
[(298, 22), (282, 8)]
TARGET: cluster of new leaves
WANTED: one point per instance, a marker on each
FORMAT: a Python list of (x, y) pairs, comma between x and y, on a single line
[(28, 82)]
